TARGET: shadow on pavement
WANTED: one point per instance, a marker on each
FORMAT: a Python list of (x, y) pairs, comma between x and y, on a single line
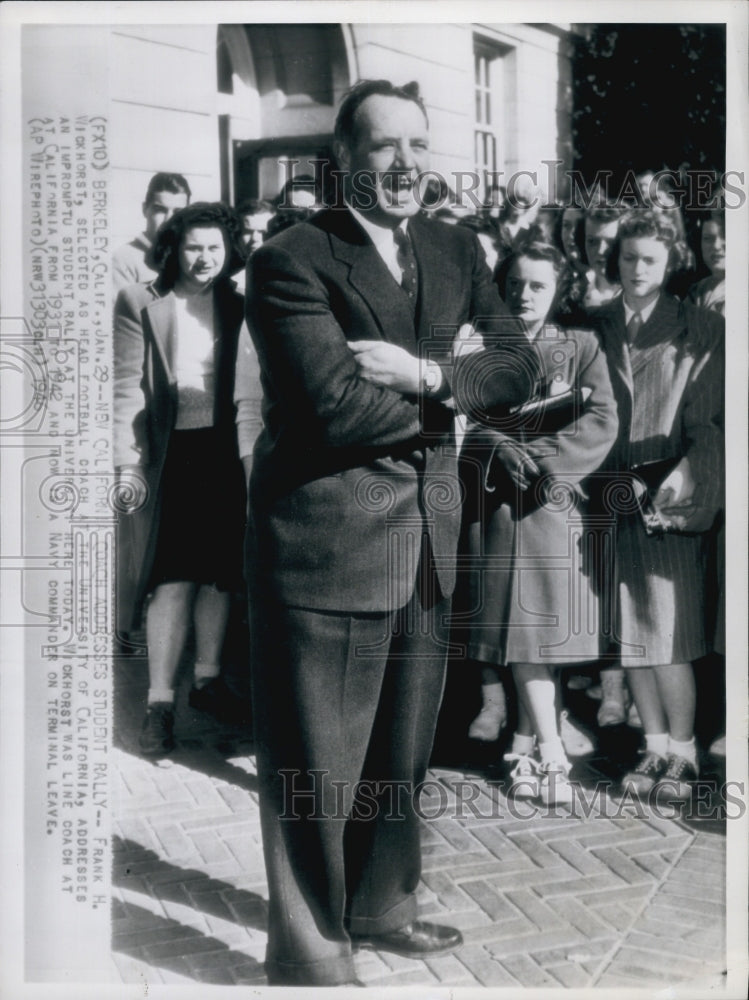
[(209, 961)]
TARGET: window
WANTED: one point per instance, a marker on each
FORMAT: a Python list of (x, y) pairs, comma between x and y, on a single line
[(488, 109), (223, 64)]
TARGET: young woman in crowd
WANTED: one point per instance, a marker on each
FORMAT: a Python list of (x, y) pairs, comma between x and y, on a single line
[(665, 360), (175, 346), (600, 228), (710, 292), (533, 603)]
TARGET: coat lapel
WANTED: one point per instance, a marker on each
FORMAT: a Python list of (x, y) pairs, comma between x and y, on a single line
[(161, 318), (615, 345), (656, 334), (370, 277), (431, 264)]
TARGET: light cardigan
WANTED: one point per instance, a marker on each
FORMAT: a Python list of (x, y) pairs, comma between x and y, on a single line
[(194, 361)]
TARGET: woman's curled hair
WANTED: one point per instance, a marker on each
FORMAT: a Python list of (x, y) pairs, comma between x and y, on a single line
[(536, 249), (651, 223), (199, 215)]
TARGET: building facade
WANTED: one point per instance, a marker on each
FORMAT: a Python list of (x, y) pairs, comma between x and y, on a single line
[(239, 108)]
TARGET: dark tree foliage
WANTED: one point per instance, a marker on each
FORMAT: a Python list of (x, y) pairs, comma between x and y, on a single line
[(649, 96)]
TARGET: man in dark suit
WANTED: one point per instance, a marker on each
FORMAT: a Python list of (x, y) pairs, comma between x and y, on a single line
[(354, 518)]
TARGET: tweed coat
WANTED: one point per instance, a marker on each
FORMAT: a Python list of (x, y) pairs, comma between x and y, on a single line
[(531, 582), (145, 410), (669, 390), (348, 476)]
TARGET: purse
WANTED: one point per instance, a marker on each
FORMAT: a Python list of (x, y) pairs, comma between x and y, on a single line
[(550, 414), (646, 479)]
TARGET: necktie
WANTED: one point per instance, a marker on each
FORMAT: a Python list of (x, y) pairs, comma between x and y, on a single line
[(633, 327), (407, 264)]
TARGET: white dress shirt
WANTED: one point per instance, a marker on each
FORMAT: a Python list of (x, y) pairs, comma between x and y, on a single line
[(194, 364), (383, 242), (645, 313)]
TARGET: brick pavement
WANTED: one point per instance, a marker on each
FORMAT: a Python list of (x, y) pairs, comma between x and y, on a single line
[(605, 896)]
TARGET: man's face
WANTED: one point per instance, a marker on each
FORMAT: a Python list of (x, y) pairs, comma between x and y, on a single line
[(160, 209), (387, 152), (599, 238), (254, 228)]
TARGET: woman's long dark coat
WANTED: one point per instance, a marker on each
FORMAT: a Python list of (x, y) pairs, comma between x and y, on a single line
[(532, 586)]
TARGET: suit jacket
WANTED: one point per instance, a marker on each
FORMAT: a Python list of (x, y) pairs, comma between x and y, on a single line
[(347, 475), (145, 411)]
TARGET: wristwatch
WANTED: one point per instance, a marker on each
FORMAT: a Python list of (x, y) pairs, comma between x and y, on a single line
[(431, 380)]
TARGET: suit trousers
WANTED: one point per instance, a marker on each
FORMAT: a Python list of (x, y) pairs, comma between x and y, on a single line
[(346, 707)]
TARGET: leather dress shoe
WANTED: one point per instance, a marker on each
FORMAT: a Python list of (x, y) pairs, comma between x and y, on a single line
[(417, 940)]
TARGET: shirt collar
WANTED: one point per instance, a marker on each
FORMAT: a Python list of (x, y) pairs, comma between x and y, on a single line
[(645, 313), (379, 235)]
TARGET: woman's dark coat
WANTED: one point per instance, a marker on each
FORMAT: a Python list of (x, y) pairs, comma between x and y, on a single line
[(532, 586), (145, 410)]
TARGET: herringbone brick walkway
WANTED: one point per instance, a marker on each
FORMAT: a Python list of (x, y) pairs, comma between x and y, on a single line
[(601, 895)]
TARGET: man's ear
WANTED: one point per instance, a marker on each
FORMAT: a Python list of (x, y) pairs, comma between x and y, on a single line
[(341, 153), (144, 209)]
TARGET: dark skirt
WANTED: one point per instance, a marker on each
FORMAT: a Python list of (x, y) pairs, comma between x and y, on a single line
[(202, 513)]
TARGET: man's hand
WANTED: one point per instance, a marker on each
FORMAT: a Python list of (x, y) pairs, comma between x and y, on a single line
[(387, 365), (517, 462)]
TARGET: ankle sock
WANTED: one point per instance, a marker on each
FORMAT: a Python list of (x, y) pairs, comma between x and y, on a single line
[(553, 750), (522, 744), (160, 694), (657, 743), (205, 672), (687, 749)]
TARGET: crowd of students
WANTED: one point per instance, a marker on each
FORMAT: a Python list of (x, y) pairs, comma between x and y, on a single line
[(592, 523)]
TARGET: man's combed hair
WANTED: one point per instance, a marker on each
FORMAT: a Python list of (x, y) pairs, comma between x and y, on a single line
[(345, 124), (201, 215), (253, 206), (604, 213), (173, 183)]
